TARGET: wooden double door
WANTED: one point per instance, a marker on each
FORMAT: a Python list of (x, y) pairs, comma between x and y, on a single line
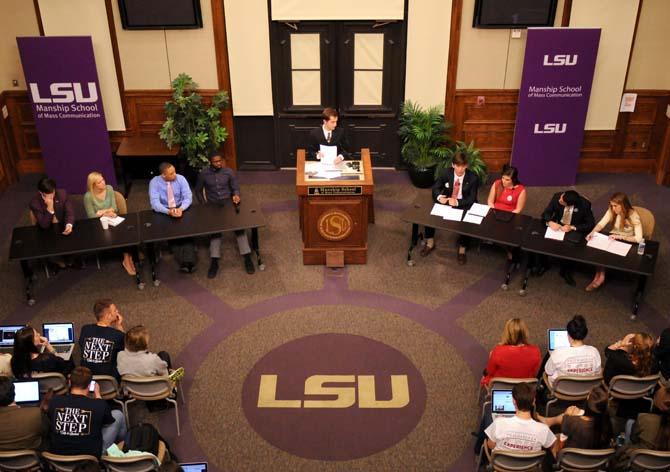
[(357, 67)]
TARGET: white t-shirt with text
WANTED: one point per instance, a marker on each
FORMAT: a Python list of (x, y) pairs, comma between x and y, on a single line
[(573, 361), (518, 434)]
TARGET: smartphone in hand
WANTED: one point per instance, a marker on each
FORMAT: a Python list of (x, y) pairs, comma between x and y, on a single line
[(91, 386)]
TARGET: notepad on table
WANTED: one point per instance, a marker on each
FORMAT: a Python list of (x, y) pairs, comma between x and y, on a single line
[(447, 212), (556, 234), (471, 218), (479, 210), (604, 243)]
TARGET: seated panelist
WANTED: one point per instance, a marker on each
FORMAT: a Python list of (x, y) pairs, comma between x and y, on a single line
[(328, 134), (507, 193), (457, 187), (51, 206)]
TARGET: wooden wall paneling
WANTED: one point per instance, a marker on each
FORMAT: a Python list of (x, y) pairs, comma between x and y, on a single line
[(567, 10), (255, 136), (24, 132), (8, 174), (452, 64), (117, 57), (663, 166)]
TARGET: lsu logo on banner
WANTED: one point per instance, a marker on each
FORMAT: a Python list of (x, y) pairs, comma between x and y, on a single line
[(65, 92), (560, 60), (550, 128), (345, 396)]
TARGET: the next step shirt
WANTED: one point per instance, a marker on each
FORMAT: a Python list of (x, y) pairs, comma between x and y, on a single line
[(99, 347), (76, 424), (521, 435)]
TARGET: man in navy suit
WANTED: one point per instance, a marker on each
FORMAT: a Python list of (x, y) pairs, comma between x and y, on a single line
[(457, 187), (328, 134)]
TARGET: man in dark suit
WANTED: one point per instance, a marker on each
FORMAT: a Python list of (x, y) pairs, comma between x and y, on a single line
[(457, 187), (328, 134), (51, 205), (571, 213)]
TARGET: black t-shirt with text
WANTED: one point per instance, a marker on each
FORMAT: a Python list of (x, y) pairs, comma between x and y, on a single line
[(99, 346), (76, 424)]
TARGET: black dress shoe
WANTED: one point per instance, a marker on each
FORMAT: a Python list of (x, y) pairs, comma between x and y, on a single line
[(191, 267), (568, 279), (249, 264), (184, 268), (461, 258), (426, 250), (540, 271), (213, 268)]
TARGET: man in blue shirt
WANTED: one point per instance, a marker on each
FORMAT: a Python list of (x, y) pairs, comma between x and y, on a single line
[(170, 193)]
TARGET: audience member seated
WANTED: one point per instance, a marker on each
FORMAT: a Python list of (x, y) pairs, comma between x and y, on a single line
[(100, 201), (217, 185), (577, 359), (662, 355), (80, 424), (520, 433), (514, 356), (170, 194), (136, 359), (51, 206), (101, 342), (6, 364), (457, 187), (33, 353), (631, 355), (568, 212), (20, 427), (626, 226)]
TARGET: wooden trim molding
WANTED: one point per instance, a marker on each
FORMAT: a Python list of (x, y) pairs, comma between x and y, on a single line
[(567, 10), (117, 56), (38, 16), (663, 168), (452, 65)]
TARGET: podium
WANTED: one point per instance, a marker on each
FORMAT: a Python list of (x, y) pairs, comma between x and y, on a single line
[(334, 212)]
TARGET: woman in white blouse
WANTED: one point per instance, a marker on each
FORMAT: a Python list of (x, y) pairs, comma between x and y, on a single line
[(626, 226)]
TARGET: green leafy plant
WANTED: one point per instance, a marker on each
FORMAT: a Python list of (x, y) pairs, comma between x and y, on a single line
[(475, 162), (191, 124), (424, 135)]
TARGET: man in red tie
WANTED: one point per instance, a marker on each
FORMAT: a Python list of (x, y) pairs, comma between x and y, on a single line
[(328, 134), (457, 187)]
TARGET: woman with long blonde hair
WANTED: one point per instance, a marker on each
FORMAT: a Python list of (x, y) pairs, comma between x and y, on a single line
[(626, 226), (514, 356)]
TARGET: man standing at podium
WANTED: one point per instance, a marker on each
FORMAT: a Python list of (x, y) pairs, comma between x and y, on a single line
[(328, 134)]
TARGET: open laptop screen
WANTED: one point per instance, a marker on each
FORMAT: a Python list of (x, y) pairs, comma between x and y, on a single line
[(7, 334), (26, 391), (59, 333), (194, 467), (502, 402), (557, 338)]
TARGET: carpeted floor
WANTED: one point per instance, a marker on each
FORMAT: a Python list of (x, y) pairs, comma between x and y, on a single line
[(441, 318)]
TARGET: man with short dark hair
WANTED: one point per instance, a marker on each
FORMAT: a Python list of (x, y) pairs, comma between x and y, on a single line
[(217, 185), (169, 193), (101, 342), (577, 359), (457, 186), (51, 206), (20, 427), (80, 424), (520, 432), (328, 134)]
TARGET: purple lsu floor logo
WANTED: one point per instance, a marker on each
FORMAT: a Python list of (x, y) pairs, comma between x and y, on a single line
[(334, 397)]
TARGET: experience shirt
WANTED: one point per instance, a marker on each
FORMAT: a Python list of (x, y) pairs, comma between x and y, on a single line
[(76, 424), (99, 347), (518, 434), (573, 361), (219, 184)]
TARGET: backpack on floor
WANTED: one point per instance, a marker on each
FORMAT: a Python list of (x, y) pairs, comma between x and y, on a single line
[(143, 437)]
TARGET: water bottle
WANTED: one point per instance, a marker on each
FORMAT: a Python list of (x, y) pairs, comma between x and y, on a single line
[(640, 248)]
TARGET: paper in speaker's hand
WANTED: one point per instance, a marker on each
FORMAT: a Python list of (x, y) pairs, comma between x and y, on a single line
[(329, 154)]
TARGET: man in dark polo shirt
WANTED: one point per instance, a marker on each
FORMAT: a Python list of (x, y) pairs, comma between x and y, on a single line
[(80, 424), (101, 342), (217, 185), (20, 427)]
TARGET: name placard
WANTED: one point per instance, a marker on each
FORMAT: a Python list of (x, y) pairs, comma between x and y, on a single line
[(339, 190)]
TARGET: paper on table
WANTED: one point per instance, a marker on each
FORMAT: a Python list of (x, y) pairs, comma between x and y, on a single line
[(329, 154), (439, 210), (599, 241), (619, 248), (478, 209), (470, 218), (604, 243), (452, 214), (113, 221), (556, 234)]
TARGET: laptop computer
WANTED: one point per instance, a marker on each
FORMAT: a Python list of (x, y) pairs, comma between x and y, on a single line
[(502, 404), (557, 338), (26, 392), (7, 333), (194, 467), (61, 337)]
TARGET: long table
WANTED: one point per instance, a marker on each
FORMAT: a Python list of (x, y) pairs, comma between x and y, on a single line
[(527, 233), (145, 228)]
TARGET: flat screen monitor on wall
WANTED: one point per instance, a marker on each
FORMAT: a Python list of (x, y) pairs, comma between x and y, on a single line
[(160, 14), (514, 13)]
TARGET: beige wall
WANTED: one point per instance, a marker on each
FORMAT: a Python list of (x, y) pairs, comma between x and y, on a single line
[(650, 63), (427, 51), (88, 18), (151, 59), (288, 10), (616, 18), (17, 18), (491, 58)]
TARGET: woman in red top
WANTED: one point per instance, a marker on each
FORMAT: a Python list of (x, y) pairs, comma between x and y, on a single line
[(507, 193), (513, 357)]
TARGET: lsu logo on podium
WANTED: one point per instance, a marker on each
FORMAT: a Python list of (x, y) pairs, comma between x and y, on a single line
[(344, 392)]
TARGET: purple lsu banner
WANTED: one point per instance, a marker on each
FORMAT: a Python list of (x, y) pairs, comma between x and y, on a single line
[(67, 105), (553, 101)]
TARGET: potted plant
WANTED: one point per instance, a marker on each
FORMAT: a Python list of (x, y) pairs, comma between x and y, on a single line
[(193, 125), (475, 162), (424, 138)]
